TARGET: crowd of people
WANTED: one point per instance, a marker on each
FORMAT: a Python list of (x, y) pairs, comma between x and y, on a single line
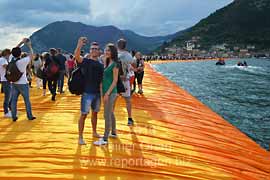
[(102, 72)]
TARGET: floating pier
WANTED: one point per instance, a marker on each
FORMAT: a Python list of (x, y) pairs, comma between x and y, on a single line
[(175, 136)]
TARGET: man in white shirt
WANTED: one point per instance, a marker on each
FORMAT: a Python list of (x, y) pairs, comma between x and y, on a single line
[(21, 86), (126, 59), (5, 84)]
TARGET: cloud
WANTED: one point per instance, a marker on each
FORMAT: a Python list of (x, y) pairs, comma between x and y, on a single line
[(41, 12), (11, 35), (147, 17), (152, 17), (20, 18)]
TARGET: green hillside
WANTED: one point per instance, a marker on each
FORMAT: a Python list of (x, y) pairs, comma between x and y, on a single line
[(241, 23)]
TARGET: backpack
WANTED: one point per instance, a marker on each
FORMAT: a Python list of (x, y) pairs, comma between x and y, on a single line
[(120, 72), (13, 74), (40, 73), (52, 71), (76, 81), (120, 86)]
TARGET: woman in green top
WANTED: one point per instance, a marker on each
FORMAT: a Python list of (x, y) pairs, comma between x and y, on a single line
[(109, 91)]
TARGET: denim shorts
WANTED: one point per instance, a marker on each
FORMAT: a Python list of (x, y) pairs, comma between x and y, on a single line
[(90, 100)]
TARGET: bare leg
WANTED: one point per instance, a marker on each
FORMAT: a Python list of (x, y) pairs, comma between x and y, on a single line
[(140, 86), (128, 106), (81, 128), (94, 124)]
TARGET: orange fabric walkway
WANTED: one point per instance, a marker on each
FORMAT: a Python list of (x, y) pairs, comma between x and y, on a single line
[(175, 137)]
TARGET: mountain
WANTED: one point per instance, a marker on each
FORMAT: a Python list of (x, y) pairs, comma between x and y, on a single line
[(64, 35), (241, 23)]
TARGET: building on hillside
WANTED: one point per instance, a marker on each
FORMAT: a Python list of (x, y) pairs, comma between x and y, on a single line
[(251, 47), (244, 53), (220, 47)]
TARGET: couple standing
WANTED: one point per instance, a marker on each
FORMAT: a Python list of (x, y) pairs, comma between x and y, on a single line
[(100, 80)]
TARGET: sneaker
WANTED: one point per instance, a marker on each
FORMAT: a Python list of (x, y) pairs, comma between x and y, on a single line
[(33, 118), (15, 119), (140, 91), (130, 122), (8, 115), (101, 142), (53, 97), (81, 142), (113, 135)]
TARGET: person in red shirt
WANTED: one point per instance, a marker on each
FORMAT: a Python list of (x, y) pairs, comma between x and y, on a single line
[(70, 65)]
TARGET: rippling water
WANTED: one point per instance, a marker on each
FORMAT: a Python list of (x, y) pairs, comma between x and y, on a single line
[(241, 95)]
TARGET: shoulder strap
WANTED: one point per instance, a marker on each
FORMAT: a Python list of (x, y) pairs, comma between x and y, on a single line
[(14, 60), (17, 59), (82, 69)]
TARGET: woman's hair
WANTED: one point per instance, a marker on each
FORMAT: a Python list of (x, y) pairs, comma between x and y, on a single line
[(114, 54), (6, 52), (133, 53)]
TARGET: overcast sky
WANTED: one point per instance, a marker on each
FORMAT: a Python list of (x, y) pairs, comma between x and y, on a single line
[(20, 18)]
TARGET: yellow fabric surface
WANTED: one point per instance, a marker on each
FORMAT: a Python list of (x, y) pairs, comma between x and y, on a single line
[(174, 137)]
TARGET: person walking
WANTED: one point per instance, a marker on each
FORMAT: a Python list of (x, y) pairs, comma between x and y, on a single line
[(6, 85), (127, 62)]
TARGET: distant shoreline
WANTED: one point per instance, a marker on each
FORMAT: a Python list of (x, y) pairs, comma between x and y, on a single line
[(192, 60)]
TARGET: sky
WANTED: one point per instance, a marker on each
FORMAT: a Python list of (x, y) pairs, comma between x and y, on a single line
[(21, 18)]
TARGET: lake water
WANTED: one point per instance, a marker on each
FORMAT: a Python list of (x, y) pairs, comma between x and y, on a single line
[(241, 95)]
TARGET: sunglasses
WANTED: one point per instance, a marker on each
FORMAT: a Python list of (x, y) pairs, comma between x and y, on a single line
[(95, 49)]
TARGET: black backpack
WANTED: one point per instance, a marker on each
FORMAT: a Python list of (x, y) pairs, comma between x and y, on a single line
[(13, 74), (119, 64), (76, 81), (120, 86)]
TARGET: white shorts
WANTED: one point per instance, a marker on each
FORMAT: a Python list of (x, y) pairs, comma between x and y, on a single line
[(127, 87)]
